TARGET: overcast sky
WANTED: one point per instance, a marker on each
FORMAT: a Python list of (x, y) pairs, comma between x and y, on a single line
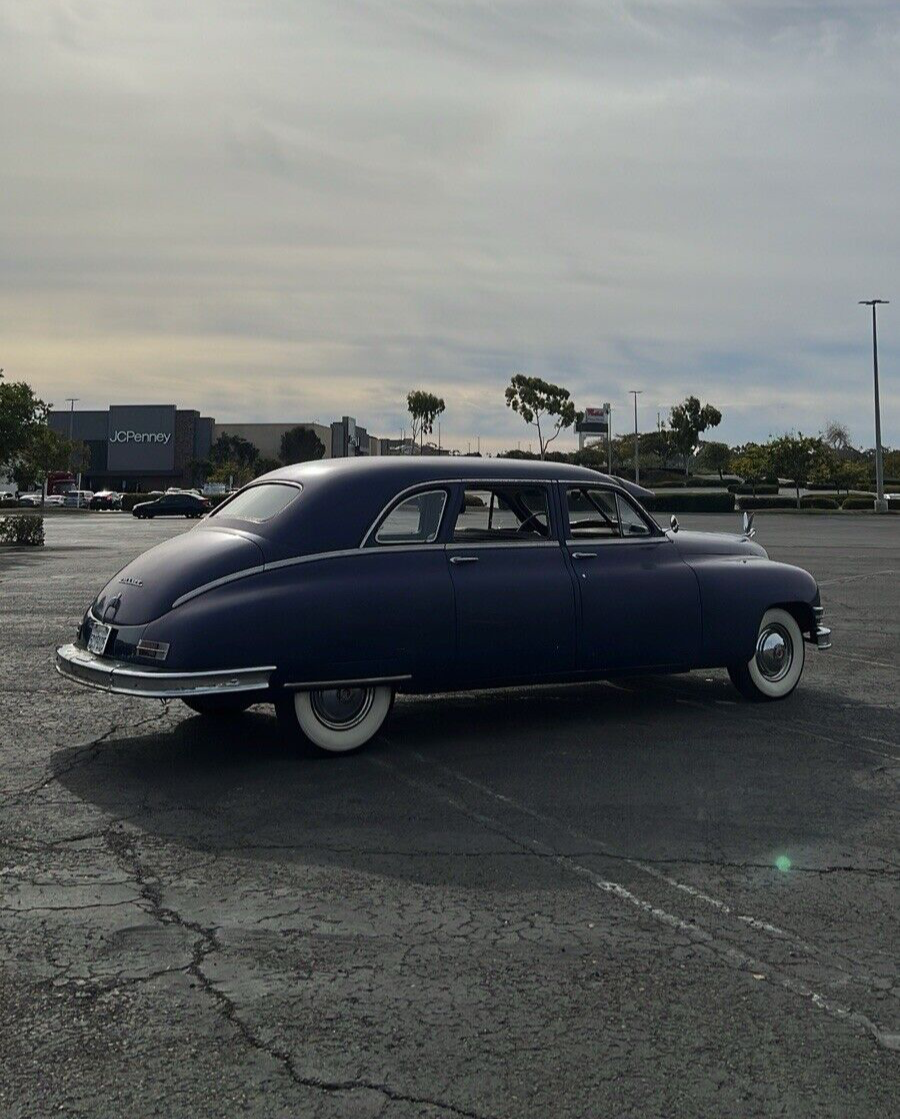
[(299, 209)]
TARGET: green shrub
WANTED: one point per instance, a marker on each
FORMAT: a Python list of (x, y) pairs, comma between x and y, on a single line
[(24, 529), (858, 503), (719, 502), (767, 502), (814, 501), (9, 503)]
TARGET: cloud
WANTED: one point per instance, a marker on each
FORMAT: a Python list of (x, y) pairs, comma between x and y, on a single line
[(307, 208)]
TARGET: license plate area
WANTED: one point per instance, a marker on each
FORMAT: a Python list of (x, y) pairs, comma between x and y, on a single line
[(99, 639)]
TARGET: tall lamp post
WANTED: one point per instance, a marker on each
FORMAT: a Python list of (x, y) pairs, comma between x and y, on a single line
[(637, 469), (72, 401), (881, 505)]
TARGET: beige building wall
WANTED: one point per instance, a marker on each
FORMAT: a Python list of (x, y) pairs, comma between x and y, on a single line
[(267, 437)]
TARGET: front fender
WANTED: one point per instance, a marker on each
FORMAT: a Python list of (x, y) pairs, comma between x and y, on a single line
[(735, 592)]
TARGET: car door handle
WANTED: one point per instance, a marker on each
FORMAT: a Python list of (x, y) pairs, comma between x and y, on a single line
[(464, 559), (584, 555)]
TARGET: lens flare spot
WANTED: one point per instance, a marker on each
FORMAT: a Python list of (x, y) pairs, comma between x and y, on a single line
[(783, 863)]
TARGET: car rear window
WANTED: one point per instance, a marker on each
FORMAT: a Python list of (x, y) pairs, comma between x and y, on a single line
[(259, 503)]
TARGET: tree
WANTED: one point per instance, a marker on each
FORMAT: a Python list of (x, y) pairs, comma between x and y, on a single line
[(301, 444), (687, 422), (751, 462), (267, 465), (837, 436), (716, 456), (22, 414), (795, 457), (47, 451), (424, 408), (536, 400), (234, 449)]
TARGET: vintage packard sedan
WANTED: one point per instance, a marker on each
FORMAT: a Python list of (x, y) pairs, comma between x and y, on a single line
[(326, 587)]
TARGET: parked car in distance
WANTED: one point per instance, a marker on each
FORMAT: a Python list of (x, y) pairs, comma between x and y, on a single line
[(106, 499), (54, 499), (77, 499), (30, 499), (173, 505), (326, 587)]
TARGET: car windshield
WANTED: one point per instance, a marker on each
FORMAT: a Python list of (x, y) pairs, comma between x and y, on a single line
[(259, 503)]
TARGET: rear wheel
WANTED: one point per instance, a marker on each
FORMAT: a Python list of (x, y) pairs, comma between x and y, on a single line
[(336, 720), (219, 706), (776, 666)]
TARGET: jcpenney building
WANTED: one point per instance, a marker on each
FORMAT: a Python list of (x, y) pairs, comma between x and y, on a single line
[(138, 446), (152, 446)]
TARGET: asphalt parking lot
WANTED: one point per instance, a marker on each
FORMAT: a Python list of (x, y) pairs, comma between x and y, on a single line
[(645, 898)]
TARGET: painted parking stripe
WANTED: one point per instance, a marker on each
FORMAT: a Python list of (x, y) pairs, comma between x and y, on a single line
[(696, 933)]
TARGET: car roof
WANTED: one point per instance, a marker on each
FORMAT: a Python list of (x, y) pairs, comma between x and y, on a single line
[(342, 498), (410, 470)]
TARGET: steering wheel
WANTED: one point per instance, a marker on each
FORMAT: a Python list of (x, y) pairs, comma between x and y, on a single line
[(527, 526)]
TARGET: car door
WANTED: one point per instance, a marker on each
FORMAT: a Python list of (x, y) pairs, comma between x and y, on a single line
[(515, 603), (639, 601), (381, 611)]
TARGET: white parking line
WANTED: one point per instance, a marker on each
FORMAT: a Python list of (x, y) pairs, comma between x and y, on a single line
[(696, 933), (853, 578), (863, 660)]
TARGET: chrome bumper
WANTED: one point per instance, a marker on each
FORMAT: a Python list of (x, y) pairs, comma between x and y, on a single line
[(124, 679), (821, 636)]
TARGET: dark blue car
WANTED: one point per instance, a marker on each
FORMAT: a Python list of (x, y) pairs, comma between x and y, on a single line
[(326, 587)]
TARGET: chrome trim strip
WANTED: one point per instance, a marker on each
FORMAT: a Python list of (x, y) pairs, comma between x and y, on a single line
[(456, 545), (235, 575), (315, 685), (605, 541), (118, 677)]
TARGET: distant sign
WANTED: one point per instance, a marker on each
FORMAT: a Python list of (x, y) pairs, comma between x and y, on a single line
[(141, 438), (595, 422)]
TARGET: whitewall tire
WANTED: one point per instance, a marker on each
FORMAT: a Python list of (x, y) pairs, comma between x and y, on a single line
[(337, 720), (776, 666)]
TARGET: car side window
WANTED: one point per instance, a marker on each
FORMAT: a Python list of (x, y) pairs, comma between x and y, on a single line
[(593, 514), (492, 514), (417, 520), (631, 523)]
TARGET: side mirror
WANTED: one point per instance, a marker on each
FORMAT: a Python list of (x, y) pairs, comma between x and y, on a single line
[(749, 530), (673, 521)]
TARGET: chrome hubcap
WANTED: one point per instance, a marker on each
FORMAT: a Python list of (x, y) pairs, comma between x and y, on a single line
[(774, 652), (342, 708)]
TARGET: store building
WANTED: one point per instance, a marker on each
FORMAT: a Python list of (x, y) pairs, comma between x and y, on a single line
[(145, 447), (138, 446)]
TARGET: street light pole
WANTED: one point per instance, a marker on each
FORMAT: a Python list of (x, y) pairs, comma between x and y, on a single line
[(637, 469), (881, 505), (72, 400)]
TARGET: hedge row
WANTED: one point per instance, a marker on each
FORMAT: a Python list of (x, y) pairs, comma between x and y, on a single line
[(26, 529), (808, 501), (719, 502), (763, 488)]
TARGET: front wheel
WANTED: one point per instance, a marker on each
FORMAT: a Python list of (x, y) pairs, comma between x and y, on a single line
[(336, 720), (776, 666)]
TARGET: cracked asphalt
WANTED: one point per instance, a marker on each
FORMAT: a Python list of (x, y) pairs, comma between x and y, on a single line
[(645, 898)]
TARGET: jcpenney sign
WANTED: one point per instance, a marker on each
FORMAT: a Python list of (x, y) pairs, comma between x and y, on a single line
[(140, 437)]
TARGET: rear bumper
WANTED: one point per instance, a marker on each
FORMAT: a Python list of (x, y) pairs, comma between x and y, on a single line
[(124, 679)]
